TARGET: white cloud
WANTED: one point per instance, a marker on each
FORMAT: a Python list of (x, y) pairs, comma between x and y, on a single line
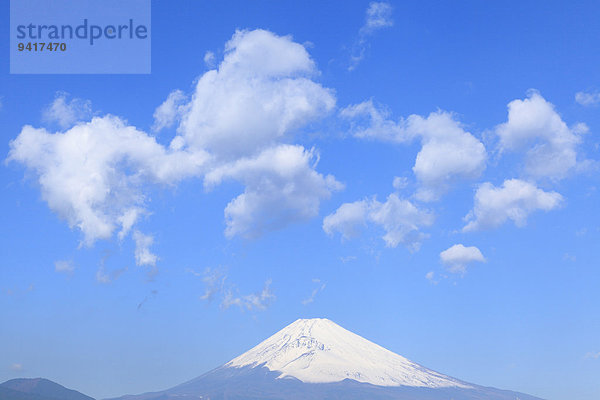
[(93, 175), (67, 113), (537, 130), (457, 257), (515, 200), (587, 99), (251, 302), (348, 219), (170, 110), (399, 218), (320, 286), (235, 125), (378, 16), (448, 153), (143, 255), (241, 113), (260, 93), (401, 221), (281, 187), (65, 267)]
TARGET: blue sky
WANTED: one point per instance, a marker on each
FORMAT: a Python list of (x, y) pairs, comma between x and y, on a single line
[(424, 175)]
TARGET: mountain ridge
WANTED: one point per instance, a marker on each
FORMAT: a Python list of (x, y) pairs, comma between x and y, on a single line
[(317, 359), (38, 389), (320, 351)]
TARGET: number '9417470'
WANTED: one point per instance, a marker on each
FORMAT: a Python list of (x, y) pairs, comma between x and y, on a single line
[(42, 46)]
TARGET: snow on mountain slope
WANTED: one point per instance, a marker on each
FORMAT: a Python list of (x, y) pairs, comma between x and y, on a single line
[(318, 351)]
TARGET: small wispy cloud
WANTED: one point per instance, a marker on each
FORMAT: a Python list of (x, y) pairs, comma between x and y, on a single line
[(400, 182), (170, 110), (16, 367), (104, 276), (587, 99), (378, 16), (64, 267), (18, 291), (215, 286), (210, 60), (66, 113), (347, 259), (320, 286), (143, 255), (430, 276), (214, 281), (251, 302), (593, 355)]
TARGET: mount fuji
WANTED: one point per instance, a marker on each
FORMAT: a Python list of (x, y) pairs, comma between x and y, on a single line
[(316, 359)]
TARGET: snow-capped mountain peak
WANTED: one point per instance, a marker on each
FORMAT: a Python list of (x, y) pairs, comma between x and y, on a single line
[(318, 351)]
